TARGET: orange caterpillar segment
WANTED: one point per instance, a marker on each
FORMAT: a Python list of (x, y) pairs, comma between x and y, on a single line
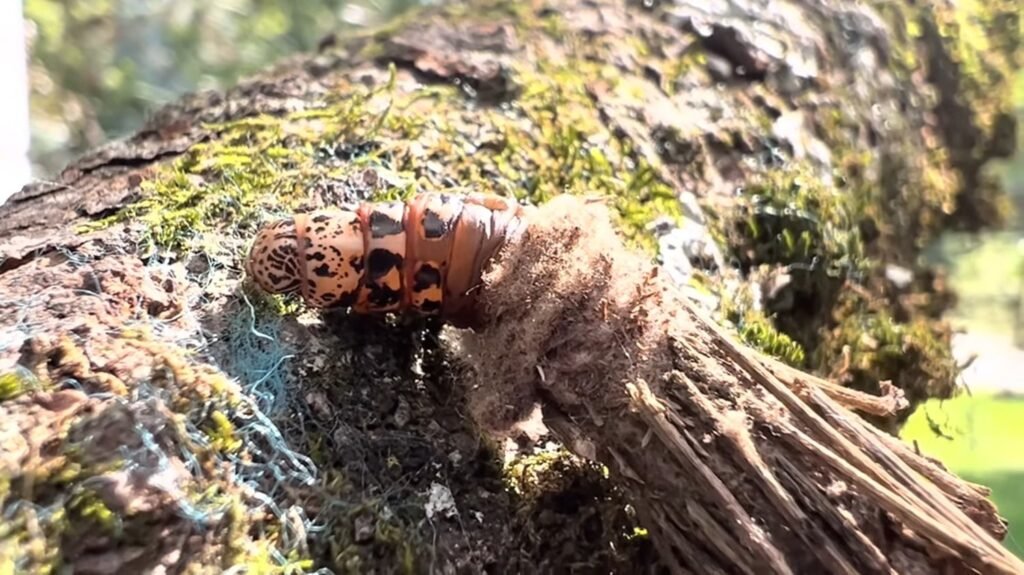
[(332, 242), (385, 257), (504, 217), (471, 230), (478, 238), (431, 221), (426, 254)]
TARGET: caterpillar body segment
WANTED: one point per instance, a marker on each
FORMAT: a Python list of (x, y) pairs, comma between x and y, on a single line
[(426, 254), (385, 240), (331, 254)]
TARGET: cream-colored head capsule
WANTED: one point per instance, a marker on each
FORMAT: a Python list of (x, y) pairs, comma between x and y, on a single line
[(273, 261)]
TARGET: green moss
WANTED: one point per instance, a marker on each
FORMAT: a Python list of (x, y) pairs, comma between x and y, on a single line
[(389, 539), (527, 474), (266, 305), (972, 51), (791, 217), (397, 539), (263, 555), (637, 534), (550, 139), (758, 332), (87, 512), (792, 222), (222, 433), (34, 540), (567, 505), (912, 169), (867, 345), (904, 31), (788, 222), (11, 386), (226, 180), (250, 167), (236, 543), (692, 61), (983, 39), (813, 232), (16, 382), (29, 540), (62, 481)]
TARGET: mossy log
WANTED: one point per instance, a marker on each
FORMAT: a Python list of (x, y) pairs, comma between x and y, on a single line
[(156, 413)]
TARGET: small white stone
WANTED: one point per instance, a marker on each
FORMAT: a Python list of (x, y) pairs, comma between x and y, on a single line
[(441, 501)]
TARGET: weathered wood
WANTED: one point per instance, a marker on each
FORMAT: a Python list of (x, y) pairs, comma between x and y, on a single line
[(718, 452)]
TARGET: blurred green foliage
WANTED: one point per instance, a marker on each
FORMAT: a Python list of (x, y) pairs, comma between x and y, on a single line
[(97, 67), (1013, 169), (977, 438), (987, 269)]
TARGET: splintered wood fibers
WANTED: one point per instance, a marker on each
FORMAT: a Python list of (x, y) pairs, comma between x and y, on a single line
[(715, 453), (562, 320)]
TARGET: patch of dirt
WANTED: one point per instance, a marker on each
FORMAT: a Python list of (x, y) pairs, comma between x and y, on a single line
[(381, 409)]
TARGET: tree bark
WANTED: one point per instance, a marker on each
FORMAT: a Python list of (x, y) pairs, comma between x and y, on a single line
[(157, 413)]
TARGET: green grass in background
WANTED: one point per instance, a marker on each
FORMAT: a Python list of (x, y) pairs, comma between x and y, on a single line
[(987, 273), (985, 446)]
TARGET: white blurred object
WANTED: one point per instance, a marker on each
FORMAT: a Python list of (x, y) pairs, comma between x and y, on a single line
[(998, 364), (15, 169)]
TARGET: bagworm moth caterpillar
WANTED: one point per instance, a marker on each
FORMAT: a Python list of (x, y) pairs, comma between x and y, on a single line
[(425, 254)]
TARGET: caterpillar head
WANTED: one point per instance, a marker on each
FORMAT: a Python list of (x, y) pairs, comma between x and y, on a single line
[(273, 261)]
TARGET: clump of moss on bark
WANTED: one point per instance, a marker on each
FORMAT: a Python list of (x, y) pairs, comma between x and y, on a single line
[(250, 167), (16, 382), (551, 138), (566, 509), (822, 302), (867, 345), (969, 53), (790, 217)]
